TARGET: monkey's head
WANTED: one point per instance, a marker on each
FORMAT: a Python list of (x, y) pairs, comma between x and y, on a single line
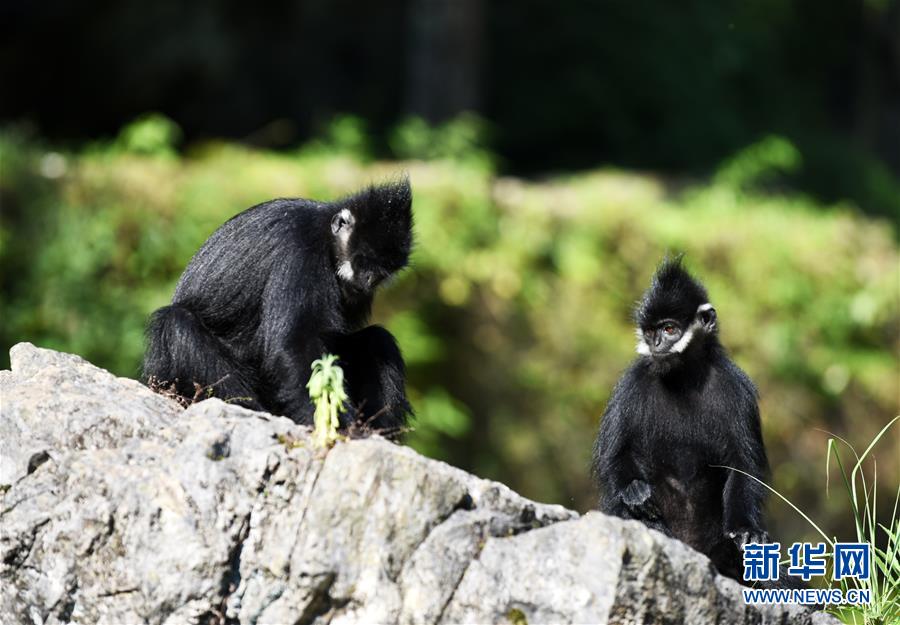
[(372, 235), (674, 318)]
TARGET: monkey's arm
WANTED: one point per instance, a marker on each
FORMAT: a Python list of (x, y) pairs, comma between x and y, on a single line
[(285, 373), (291, 336), (375, 376), (744, 497), (625, 491)]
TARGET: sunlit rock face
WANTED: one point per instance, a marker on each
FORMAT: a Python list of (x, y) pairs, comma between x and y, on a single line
[(117, 506)]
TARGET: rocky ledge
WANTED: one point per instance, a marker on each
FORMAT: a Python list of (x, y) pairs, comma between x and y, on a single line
[(117, 506)]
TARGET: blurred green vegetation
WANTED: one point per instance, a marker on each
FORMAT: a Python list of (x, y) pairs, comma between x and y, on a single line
[(514, 316)]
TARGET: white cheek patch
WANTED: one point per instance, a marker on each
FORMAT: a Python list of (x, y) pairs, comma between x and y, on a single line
[(345, 271), (642, 348), (344, 233), (685, 339)]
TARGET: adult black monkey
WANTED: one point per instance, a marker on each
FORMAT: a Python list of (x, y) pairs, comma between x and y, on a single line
[(681, 412), (277, 286)]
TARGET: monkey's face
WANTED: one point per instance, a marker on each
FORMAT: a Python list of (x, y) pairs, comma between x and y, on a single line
[(369, 248), (665, 340)]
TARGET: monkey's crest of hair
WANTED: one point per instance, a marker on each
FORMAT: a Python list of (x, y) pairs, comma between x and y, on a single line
[(673, 294), (389, 204), (383, 223)]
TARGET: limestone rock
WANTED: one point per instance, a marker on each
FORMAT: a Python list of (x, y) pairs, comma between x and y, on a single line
[(119, 507)]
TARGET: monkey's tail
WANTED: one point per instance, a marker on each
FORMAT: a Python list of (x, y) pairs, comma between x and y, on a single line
[(183, 355)]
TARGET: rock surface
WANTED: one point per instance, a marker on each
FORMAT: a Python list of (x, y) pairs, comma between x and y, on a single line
[(119, 507)]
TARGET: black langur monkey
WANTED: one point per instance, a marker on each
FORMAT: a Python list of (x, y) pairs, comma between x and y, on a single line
[(276, 287), (681, 412)]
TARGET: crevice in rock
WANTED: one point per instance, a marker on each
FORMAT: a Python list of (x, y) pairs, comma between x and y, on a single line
[(318, 467), (231, 578), (65, 605), (648, 573), (266, 476), (458, 582), (14, 558), (499, 527), (628, 575), (309, 496), (230, 581), (9, 509), (121, 591), (36, 460), (100, 537), (322, 602), (465, 503), (501, 524)]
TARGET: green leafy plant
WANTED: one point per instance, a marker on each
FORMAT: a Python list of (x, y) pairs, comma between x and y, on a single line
[(326, 390), (884, 580)]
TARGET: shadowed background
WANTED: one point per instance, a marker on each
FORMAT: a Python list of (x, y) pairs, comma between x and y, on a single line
[(557, 151)]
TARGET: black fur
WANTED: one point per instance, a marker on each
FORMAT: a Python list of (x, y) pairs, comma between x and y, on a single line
[(262, 299), (673, 420)]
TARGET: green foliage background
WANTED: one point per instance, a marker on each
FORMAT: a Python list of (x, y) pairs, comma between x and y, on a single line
[(514, 316)]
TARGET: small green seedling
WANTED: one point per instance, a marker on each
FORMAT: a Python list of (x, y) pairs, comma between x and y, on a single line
[(326, 390)]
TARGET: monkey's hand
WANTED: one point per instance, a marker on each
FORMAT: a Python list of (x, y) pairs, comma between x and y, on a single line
[(744, 536), (636, 493), (636, 498)]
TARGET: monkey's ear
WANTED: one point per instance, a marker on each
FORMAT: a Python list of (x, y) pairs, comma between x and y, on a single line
[(342, 222), (707, 316)]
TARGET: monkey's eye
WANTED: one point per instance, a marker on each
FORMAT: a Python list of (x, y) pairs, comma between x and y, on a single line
[(669, 328)]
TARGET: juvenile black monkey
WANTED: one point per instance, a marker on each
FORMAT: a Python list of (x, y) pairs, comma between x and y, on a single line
[(277, 286), (681, 412)]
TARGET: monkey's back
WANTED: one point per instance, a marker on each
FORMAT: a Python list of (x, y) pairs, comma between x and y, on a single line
[(225, 280)]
